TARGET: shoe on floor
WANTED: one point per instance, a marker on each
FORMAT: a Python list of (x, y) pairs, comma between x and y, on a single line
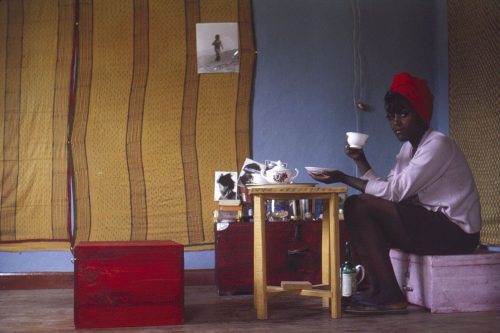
[(365, 308)]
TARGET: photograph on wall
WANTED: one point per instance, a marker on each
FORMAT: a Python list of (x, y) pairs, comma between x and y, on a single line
[(225, 185), (217, 47)]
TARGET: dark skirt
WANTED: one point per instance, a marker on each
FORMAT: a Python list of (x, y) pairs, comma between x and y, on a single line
[(432, 233)]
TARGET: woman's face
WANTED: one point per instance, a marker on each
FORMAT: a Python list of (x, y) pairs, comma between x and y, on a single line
[(405, 122), (223, 189)]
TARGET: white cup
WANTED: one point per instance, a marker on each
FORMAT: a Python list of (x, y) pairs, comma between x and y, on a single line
[(356, 140)]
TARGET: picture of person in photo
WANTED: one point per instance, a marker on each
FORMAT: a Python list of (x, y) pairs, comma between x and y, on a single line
[(226, 186), (217, 43), (250, 173), (247, 175), (217, 47)]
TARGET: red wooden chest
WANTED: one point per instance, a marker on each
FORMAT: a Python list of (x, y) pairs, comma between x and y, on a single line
[(119, 284)]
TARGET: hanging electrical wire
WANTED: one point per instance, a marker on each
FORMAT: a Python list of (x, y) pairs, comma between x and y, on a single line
[(357, 63)]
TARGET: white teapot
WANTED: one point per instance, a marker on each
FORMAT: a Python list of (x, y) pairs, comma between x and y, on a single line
[(277, 173)]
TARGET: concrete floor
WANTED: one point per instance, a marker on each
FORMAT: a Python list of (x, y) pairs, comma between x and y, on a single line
[(51, 310)]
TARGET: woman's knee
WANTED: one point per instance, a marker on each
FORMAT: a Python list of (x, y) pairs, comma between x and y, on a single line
[(358, 203)]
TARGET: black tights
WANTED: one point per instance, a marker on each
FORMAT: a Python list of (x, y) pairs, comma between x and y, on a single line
[(376, 225)]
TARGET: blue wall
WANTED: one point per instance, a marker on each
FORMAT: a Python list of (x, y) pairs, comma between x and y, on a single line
[(303, 93), (303, 101)]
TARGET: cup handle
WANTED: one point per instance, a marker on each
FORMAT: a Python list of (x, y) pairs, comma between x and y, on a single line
[(362, 269)]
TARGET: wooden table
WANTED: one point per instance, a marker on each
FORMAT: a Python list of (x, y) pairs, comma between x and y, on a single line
[(329, 290)]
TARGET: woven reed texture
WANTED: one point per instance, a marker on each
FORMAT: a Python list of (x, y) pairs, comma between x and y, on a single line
[(3, 85), (247, 62), (218, 11), (161, 148), (216, 117), (474, 86), (10, 113), (37, 39), (60, 122), (188, 130), (145, 134), (135, 120), (215, 134), (146, 138), (78, 127), (112, 66)]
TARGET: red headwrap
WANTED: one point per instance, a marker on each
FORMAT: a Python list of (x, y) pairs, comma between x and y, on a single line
[(416, 92)]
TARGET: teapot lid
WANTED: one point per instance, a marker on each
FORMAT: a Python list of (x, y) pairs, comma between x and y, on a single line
[(279, 166)]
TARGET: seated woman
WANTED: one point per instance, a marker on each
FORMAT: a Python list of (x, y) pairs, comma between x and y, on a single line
[(427, 205)]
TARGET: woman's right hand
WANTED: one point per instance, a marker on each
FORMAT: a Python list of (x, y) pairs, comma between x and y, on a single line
[(358, 156)]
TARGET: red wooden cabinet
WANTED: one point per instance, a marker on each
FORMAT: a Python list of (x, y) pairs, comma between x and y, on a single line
[(293, 254), (293, 249), (120, 284)]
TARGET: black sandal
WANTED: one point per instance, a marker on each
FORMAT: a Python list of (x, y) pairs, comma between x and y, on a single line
[(367, 308)]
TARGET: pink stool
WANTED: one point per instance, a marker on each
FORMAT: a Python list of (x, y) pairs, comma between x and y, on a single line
[(456, 283)]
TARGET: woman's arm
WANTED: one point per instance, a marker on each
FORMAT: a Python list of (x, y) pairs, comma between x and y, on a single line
[(336, 176), (358, 156), (355, 182), (427, 165)]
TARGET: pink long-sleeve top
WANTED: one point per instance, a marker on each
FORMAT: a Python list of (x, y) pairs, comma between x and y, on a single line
[(438, 175)]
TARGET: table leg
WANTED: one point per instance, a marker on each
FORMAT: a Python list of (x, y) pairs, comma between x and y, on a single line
[(325, 251), (260, 275), (333, 216)]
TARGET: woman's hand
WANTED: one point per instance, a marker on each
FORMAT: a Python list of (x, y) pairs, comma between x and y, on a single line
[(336, 176), (328, 176), (358, 156)]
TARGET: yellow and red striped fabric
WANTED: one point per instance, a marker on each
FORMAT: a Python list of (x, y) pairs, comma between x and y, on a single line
[(35, 68), (145, 130)]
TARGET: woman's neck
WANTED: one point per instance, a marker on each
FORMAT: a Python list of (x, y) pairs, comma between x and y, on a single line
[(415, 141)]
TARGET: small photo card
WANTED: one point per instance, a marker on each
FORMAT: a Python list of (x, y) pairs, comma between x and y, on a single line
[(250, 173), (225, 185), (217, 47)]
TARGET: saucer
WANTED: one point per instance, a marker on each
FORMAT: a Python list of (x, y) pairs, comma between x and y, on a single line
[(313, 169), (283, 185)]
